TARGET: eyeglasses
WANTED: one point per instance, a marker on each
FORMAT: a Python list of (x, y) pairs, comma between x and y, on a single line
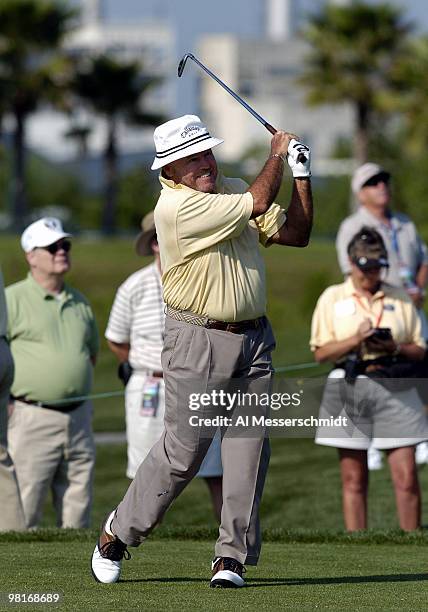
[(64, 245), (383, 177)]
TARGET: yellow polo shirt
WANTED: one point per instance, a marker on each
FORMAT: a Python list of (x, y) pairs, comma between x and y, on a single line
[(340, 310), (209, 251)]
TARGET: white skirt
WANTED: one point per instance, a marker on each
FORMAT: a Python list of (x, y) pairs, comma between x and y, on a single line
[(370, 414)]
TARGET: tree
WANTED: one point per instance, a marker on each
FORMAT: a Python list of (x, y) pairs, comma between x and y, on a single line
[(114, 90), (354, 51), (30, 31), (412, 96)]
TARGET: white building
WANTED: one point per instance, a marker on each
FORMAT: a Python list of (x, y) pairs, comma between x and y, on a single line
[(150, 42), (264, 73)]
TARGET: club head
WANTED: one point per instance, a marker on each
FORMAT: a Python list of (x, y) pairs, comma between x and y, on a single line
[(182, 63)]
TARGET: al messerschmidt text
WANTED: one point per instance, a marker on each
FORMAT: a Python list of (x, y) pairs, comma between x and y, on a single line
[(257, 421)]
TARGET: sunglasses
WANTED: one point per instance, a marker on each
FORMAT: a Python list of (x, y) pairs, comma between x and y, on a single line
[(383, 177), (365, 264), (64, 245)]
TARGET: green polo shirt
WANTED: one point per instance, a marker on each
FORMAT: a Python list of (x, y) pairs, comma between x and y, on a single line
[(52, 339)]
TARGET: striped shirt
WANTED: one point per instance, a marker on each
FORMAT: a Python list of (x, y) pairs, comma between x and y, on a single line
[(137, 317)]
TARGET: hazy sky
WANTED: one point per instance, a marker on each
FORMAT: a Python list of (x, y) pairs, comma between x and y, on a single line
[(243, 16), (191, 18)]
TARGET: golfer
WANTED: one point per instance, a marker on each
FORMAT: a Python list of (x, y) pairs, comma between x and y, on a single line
[(208, 229)]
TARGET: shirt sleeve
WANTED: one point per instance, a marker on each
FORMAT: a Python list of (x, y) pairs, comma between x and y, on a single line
[(270, 223), (11, 312), (423, 251), (120, 319), (413, 324), (343, 238), (204, 220), (322, 330), (94, 338)]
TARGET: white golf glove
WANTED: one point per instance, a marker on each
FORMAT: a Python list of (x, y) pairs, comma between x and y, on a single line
[(298, 168)]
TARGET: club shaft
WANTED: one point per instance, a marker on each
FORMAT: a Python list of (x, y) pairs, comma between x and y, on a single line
[(271, 129), (301, 157)]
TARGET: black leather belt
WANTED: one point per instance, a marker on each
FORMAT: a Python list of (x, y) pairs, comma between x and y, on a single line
[(62, 408), (234, 327)]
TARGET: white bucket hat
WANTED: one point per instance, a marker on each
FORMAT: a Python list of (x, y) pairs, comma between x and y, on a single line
[(179, 138), (42, 233)]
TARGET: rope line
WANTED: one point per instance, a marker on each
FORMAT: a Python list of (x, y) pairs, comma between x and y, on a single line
[(121, 393)]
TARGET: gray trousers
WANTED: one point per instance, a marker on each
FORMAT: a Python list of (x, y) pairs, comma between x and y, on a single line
[(11, 512), (197, 359)]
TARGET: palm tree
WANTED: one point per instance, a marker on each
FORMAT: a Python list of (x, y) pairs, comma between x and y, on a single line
[(113, 90), (30, 31), (354, 51), (79, 133), (412, 96)]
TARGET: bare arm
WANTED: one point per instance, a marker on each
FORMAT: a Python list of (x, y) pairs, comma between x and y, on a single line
[(421, 282), (334, 350), (412, 351), (120, 350), (298, 225), (266, 186), (422, 276)]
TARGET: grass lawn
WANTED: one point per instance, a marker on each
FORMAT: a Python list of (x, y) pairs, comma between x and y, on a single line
[(307, 561), (173, 575), (302, 492)]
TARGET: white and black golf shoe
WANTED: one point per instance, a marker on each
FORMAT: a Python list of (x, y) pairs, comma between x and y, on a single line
[(107, 557), (227, 573)]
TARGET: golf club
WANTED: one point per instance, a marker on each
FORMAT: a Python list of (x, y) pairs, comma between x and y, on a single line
[(301, 158)]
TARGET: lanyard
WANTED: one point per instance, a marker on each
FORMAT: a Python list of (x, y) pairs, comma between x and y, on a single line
[(364, 307), (393, 232)]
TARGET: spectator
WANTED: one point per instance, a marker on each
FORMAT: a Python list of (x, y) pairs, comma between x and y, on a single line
[(12, 515), (344, 332), (407, 254), (54, 342), (135, 335)]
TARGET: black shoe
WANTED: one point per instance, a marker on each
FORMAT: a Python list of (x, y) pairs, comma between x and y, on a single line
[(227, 573)]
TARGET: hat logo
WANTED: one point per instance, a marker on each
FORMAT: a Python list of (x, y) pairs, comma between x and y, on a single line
[(189, 130), (51, 224)]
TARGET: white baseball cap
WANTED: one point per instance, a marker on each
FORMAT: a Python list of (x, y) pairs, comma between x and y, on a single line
[(179, 138), (42, 233), (364, 173)]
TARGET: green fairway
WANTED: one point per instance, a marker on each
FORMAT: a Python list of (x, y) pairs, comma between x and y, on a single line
[(173, 575), (307, 563), (302, 491)]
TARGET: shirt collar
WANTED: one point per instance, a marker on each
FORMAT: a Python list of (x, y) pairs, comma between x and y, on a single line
[(170, 184), (65, 294), (350, 290), (370, 219)]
